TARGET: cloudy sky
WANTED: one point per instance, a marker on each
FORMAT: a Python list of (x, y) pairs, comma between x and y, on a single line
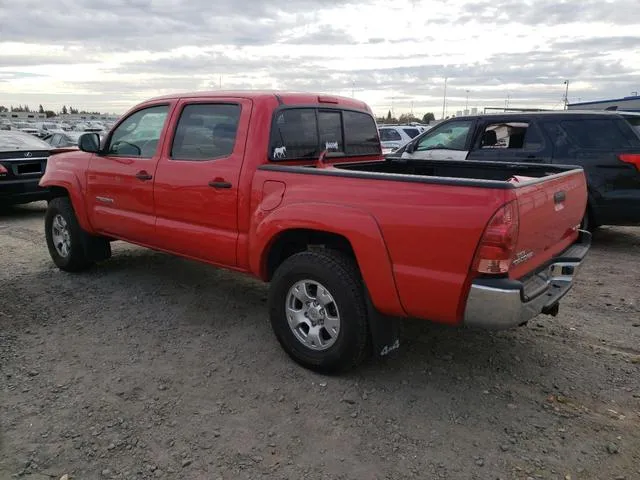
[(110, 54)]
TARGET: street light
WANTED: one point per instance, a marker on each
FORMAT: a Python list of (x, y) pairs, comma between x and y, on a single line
[(444, 98), (466, 105), (566, 95)]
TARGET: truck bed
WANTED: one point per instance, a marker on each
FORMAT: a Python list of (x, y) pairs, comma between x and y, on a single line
[(458, 169), (484, 174), (432, 215)]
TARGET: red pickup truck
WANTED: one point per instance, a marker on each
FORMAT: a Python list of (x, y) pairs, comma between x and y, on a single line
[(293, 189)]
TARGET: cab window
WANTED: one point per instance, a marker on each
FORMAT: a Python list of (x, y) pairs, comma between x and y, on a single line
[(138, 135)]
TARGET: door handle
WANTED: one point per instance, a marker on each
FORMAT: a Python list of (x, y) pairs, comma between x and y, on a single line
[(219, 183), (143, 175)]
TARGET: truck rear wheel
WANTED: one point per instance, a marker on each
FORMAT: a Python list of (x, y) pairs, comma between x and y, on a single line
[(318, 310), (64, 236)]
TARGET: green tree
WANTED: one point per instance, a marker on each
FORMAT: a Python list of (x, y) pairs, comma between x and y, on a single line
[(428, 117), (389, 117), (64, 110), (408, 118), (3, 109), (50, 113), (40, 109)]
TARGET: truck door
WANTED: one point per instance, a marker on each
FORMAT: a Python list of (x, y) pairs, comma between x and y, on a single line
[(120, 179), (197, 179), (447, 141)]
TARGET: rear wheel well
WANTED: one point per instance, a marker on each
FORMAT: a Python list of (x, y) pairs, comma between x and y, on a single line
[(295, 241)]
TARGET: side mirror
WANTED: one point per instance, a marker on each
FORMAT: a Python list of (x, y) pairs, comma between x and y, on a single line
[(410, 148), (89, 142)]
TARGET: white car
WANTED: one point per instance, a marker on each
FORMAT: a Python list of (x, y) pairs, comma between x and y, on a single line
[(393, 137)]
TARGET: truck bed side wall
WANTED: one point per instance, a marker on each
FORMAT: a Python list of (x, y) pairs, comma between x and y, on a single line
[(430, 233)]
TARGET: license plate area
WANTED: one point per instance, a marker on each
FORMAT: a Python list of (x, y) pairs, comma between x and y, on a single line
[(28, 168)]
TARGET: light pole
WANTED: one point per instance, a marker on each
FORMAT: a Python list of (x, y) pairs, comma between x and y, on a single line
[(566, 95), (444, 98), (466, 105)]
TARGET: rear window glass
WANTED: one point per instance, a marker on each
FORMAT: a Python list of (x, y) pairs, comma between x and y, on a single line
[(412, 132), (600, 134), (389, 135), (634, 122), (361, 134), (303, 133)]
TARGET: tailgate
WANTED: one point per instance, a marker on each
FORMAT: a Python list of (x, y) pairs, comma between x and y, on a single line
[(550, 210)]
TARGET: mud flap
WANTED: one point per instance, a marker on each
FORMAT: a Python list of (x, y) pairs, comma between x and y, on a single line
[(385, 331)]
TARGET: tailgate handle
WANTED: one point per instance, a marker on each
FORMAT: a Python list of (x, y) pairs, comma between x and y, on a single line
[(559, 197)]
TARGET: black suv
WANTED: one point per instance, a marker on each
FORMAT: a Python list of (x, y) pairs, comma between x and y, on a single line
[(606, 144)]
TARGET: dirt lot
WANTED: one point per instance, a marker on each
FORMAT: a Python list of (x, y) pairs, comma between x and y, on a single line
[(154, 367)]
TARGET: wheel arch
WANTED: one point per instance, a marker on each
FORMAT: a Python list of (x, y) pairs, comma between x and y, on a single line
[(299, 227)]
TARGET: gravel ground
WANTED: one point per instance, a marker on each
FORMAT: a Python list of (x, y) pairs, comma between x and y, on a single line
[(150, 366)]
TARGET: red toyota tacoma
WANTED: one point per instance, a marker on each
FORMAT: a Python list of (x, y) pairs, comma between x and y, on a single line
[(293, 189)]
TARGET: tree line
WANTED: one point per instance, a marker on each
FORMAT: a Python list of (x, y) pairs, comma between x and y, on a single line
[(406, 118), (48, 113)]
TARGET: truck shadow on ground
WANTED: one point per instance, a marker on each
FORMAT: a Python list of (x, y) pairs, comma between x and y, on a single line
[(616, 238), (194, 291), (22, 211)]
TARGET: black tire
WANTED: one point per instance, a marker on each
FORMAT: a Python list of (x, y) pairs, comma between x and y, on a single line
[(77, 259), (588, 222), (340, 275)]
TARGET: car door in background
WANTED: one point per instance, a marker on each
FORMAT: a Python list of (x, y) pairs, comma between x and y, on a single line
[(510, 139)]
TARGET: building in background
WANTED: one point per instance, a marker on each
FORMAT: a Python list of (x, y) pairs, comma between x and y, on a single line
[(22, 116), (627, 104)]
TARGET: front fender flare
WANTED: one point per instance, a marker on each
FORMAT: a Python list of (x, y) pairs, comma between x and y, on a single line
[(71, 183), (358, 227)]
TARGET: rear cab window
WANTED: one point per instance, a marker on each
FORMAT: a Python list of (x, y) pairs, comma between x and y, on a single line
[(303, 133)]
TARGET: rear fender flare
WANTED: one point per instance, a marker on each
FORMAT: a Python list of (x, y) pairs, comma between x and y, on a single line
[(358, 227)]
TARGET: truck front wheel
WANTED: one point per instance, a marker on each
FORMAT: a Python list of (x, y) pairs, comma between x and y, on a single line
[(318, 311), (64, 236)]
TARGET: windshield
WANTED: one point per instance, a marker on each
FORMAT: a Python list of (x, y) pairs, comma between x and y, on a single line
[(21, 141)]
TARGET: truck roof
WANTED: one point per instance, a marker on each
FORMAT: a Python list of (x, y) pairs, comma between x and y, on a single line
[(285, 97)]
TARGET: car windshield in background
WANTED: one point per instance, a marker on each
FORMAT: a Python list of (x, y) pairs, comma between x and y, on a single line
[(304, 133), (12, 140)]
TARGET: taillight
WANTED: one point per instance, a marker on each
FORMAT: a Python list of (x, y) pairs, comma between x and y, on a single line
[(497, 246), (3, 171), (632, 158)]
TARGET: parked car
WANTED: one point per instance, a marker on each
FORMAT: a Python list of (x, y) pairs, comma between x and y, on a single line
[(48, 128), (606, 144), (25, 127), (293, 189), (393, 137), (23, 159), (63, 139)]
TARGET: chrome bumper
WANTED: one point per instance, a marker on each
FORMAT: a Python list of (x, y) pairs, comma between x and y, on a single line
[(498, 304)]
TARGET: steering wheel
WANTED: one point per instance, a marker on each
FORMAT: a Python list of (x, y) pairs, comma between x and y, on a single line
[(114, 148)]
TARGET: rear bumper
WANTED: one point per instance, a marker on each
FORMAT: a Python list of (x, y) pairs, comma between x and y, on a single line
[(499, 304), (22, 191)]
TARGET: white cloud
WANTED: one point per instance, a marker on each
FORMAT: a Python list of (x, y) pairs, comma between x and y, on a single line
[(110, 54)]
